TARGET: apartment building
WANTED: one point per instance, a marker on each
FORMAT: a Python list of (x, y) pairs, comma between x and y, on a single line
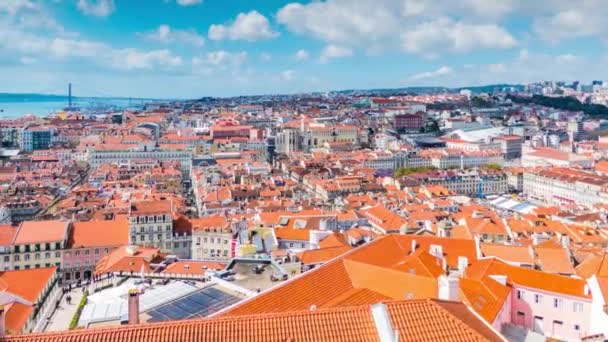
[(467, 182), (151, 224), (562, 186), (212, 239), (88, 243), (38, 244), (124, 156)]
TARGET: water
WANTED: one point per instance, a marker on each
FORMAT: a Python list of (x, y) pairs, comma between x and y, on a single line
[(13, 106)]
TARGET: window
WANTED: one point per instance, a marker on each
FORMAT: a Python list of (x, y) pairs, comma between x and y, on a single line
[(7, 258), (77, 253), (557, 303), (47, 255), (96, 251), (577, 327), (25, 257), (291, 244), (17, 249), (520, 294), (27, 248), (577, 307), (538, 298), (37, 256), (47, 246), (142, 238), (86, 252), (58, 245), (57, 254)]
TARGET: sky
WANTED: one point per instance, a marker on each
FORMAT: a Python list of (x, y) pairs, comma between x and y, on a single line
[(196, 48)]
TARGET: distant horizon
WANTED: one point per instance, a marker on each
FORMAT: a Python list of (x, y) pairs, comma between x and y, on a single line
[(65, 96)]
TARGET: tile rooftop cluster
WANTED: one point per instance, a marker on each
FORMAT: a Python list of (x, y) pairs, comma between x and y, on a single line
[(338, 217)]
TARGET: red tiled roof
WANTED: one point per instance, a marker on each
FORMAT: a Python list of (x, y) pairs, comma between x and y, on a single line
[(413, 320)]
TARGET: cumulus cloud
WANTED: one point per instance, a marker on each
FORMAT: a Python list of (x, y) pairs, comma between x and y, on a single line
[(165, 34), (335, 51), (420, 27), (301, 55), (447, 35), (442, 71), (97, 8), (249, 27)]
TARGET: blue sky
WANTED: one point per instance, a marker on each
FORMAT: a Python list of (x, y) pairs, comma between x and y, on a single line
[(194, 48)]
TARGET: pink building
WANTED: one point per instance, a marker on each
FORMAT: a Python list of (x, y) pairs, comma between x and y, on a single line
[(88, 243), (552, 305)]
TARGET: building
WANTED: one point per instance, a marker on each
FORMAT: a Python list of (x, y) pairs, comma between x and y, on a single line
[(467, 182), (287, 141), (408, 122), (212, 239), (151, 224), (89, 241), (36, 138), (564, 187), (28, 297), (391, 321), (39, 244), (125, 157), (510, 145)]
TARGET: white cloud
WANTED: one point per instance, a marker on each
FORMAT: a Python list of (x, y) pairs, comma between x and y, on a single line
[(446, 35), (133, 59), (442, 71), (13, 6), (189, 2), (288, 75), (301, 55), (420, 27), (335, 51), (97, 8), (250, 27), (220, 58), (568, 24), (165, 34)]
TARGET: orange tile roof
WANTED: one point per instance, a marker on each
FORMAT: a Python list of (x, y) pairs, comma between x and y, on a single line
[(41, 231), (7, 234), (509, 253), (529, 278), (151, 207), (593, 264), (17, 315), (120, 260), (316, 256), (193, 267), (97, 233), (376, 266), (292, 234), (414, 320), (554, 260), (27, 284)]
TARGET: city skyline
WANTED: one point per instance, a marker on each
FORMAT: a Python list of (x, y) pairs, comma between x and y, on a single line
[(191, 48)]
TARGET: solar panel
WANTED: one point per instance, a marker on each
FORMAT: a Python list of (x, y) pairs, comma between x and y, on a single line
[(198, 304)]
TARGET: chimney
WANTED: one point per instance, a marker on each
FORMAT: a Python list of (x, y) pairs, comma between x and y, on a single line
[(134, 306), (2, 322), (448, 288), (382, 321)]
